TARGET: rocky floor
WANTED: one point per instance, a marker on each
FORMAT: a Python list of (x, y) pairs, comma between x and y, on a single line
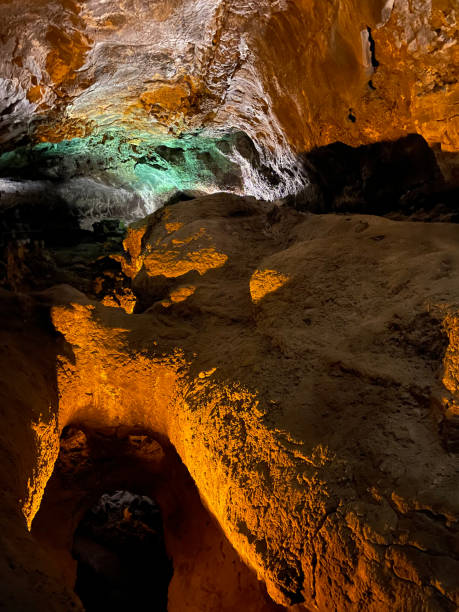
[(303, 366)]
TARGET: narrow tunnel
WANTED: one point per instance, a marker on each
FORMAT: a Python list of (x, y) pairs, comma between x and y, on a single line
[(121, 554), (124, 524)]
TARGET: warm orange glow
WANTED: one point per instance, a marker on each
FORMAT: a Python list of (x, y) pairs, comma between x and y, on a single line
[(49, 132), (172, 227), (169, 96), (34, 94), (264, 282), (179, 294), (125, 300), (168, 101), (186, 240), (46, 437), (170, 257), (451, 367), (67, 56), (171, 263), (266, 406)]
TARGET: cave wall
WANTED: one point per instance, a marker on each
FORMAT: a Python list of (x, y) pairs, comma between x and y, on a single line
[(277, 373), (29, 442), (332, 84), (154, 98), (207, 573)]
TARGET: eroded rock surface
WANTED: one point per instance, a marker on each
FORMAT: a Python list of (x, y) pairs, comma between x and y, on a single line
[(291, 75), (305, 369)]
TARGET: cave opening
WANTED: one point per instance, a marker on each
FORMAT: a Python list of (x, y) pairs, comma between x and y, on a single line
[(123, 524), (122, 562)]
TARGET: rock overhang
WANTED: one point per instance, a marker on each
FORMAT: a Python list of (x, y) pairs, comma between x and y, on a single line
[(128, 174)]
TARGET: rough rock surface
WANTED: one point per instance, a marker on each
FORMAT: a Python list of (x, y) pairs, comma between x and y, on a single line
[(208, 574), (305, 369), (292, 75)]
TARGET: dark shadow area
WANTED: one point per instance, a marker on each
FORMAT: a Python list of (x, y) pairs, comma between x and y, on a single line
[(401, 179), (41, 216), (121, 554), (42, 244)]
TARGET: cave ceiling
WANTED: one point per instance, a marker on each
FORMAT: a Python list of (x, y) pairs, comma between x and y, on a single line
[(235, 90)]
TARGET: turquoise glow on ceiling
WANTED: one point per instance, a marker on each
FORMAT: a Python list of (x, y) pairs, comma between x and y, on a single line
[(116, 173), (147, 164)]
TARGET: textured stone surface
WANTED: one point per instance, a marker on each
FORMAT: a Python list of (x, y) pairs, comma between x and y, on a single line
[(208, 574), (291, 75), (354, 91), (309, 384), (305, 368)]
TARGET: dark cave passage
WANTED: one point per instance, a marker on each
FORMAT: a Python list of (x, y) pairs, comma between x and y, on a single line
[(123, 522), (121, 554)]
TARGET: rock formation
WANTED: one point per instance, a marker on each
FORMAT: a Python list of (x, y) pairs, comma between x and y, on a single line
[(275, 366), (305, 68), (289, 75), (308, 383)]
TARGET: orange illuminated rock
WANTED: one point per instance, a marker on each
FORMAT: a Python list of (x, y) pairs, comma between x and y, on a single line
[(34, 94), (277, 468), (171, 102), (264, 282), (54, 133), (357, 91), (67, 55), (319, 426), (179, 294), (125, 300), (173, 227), (133, 245), (171, 264), (173, 254)]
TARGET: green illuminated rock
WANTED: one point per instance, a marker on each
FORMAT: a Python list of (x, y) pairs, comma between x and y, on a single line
[(124, 174)]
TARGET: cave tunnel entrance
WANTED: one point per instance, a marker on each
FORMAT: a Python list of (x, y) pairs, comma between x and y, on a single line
[(121, 554), (122, 498)]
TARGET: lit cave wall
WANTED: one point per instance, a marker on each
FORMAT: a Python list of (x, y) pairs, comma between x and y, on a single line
[(129, 174), (229, 305)]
